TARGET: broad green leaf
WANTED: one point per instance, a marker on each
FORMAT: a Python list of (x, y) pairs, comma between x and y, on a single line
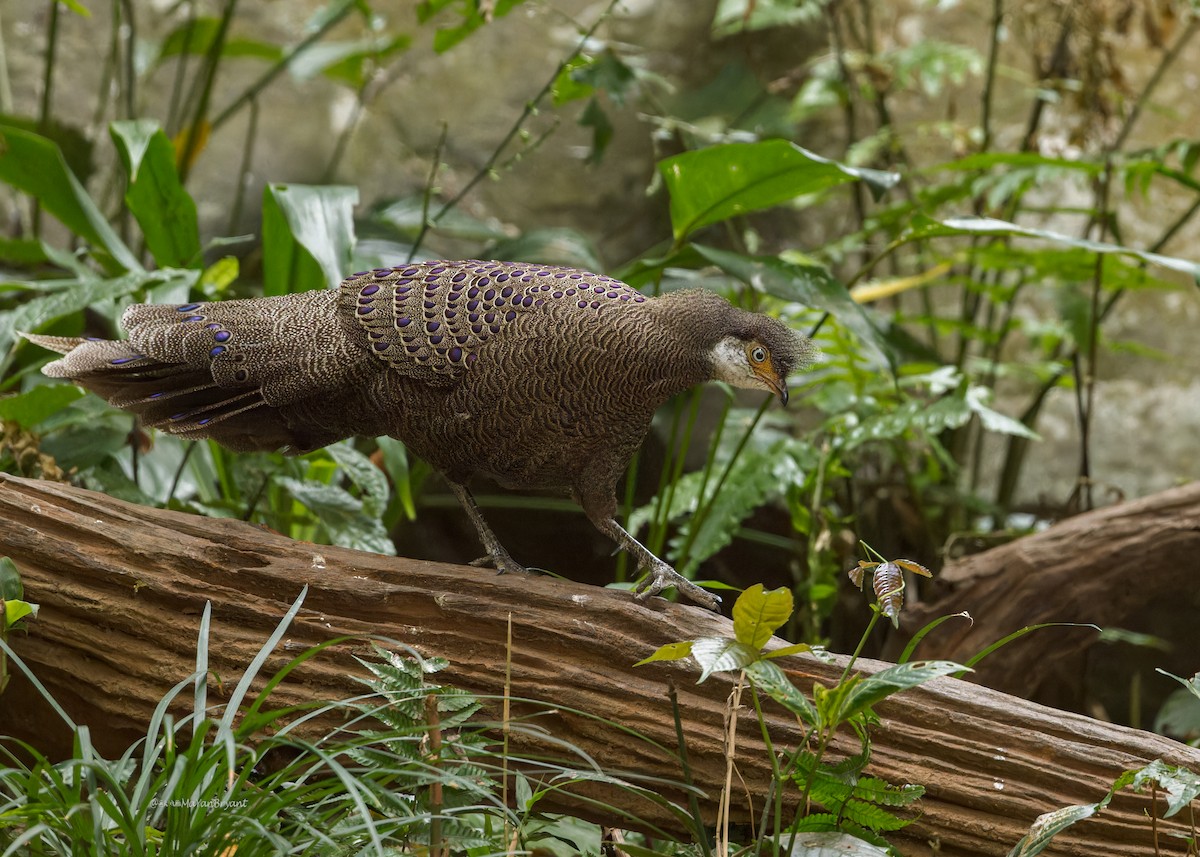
[(668, 652), (308, 234), (926, 227), (757, 613), (196, 37), (714, 184), (874, 688), (1181, 785), (810, 284), (31, 407), (770, 678), (721, 654), (474, 16), (341, 514), (787, 651), (34, 164), (165, 211), (10, 580), (15, 611), (364, 474)]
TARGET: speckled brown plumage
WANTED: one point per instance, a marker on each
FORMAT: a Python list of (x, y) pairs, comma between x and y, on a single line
[(533, 376)]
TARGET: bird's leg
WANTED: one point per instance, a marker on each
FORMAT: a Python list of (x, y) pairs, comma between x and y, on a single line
[(660, 576), (496, 554)]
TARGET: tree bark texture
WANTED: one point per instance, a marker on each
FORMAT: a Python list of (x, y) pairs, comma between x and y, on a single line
[(122, 587), (1132, 565)]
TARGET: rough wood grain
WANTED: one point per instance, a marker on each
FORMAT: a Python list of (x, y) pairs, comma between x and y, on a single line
[(122, 587)]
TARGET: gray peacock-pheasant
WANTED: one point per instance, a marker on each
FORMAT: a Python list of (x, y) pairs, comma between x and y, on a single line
[(533, 376)]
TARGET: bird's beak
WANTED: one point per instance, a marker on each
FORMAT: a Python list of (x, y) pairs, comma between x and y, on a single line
[(776, 384)]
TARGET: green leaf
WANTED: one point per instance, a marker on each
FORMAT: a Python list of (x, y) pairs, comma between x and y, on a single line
[(31, 407), (757, 613), (341, 514), (773, 681), (720, 182), (553, 246), (721, 654), (165, 211), (810, 284), (364, 474), (348, 62), (874, 688), (308, 235), (10, 580), (832, 843), (926, 227), (15, 611), (1181, 785), (668, 652), (595, 118), (474, 16), (1050, 824), (34, 164)]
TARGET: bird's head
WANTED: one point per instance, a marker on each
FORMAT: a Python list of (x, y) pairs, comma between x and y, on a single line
[(759, 354)]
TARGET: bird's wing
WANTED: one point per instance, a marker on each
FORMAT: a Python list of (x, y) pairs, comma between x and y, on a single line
[(433, 320)]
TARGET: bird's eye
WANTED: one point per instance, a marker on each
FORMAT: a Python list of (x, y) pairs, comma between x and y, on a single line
[(758, 354)]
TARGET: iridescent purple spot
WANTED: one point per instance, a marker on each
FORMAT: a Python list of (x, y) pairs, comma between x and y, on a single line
[(380, 346), (489, 295), (155, 395), (472, 305), (570, 293), (477, 328), (577, 276), (455, 354), (582, 304), (403, 290), (472, 293), (495, 328), (624, 297), (432, 326), (527, 279), (484, 281), (489, 317), (472, 316), (500, 278), (360, 273), (241, 375), (370, 290), (122, 360), (507, 291), (380, 273), (462, 340), (436, 339), (430, 304), (431, 285), (186, 307), (595, 304), (639, 299), (449, 314), (538, 302), (412, 349), (178, 416), (459, 277), (194, 318), (440, 269), (471, 358), (204, 421), (403, 321), (510, 315), (559, 275), (407, 281), (364, 310), (612, 294), (527, 300), (222, 336), (500, 301), (212, 326), (410, 272), (216, 351), (557, 295), (598, 289)]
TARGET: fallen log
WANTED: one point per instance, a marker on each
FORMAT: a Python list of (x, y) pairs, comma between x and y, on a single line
[(1112, 567), (122, 587)]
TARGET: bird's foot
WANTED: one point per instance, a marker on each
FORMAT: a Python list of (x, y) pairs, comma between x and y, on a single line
[(501, 561), (661, 576)]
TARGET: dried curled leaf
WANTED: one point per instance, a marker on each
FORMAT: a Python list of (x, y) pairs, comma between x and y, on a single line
[(914, 567), (856, 574), (888, 581)]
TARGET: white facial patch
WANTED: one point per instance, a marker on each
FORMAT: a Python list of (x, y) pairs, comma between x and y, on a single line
[(731, 365)]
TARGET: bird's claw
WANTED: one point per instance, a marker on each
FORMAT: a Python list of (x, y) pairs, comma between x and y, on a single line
[(661, 576), (502, 562)]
